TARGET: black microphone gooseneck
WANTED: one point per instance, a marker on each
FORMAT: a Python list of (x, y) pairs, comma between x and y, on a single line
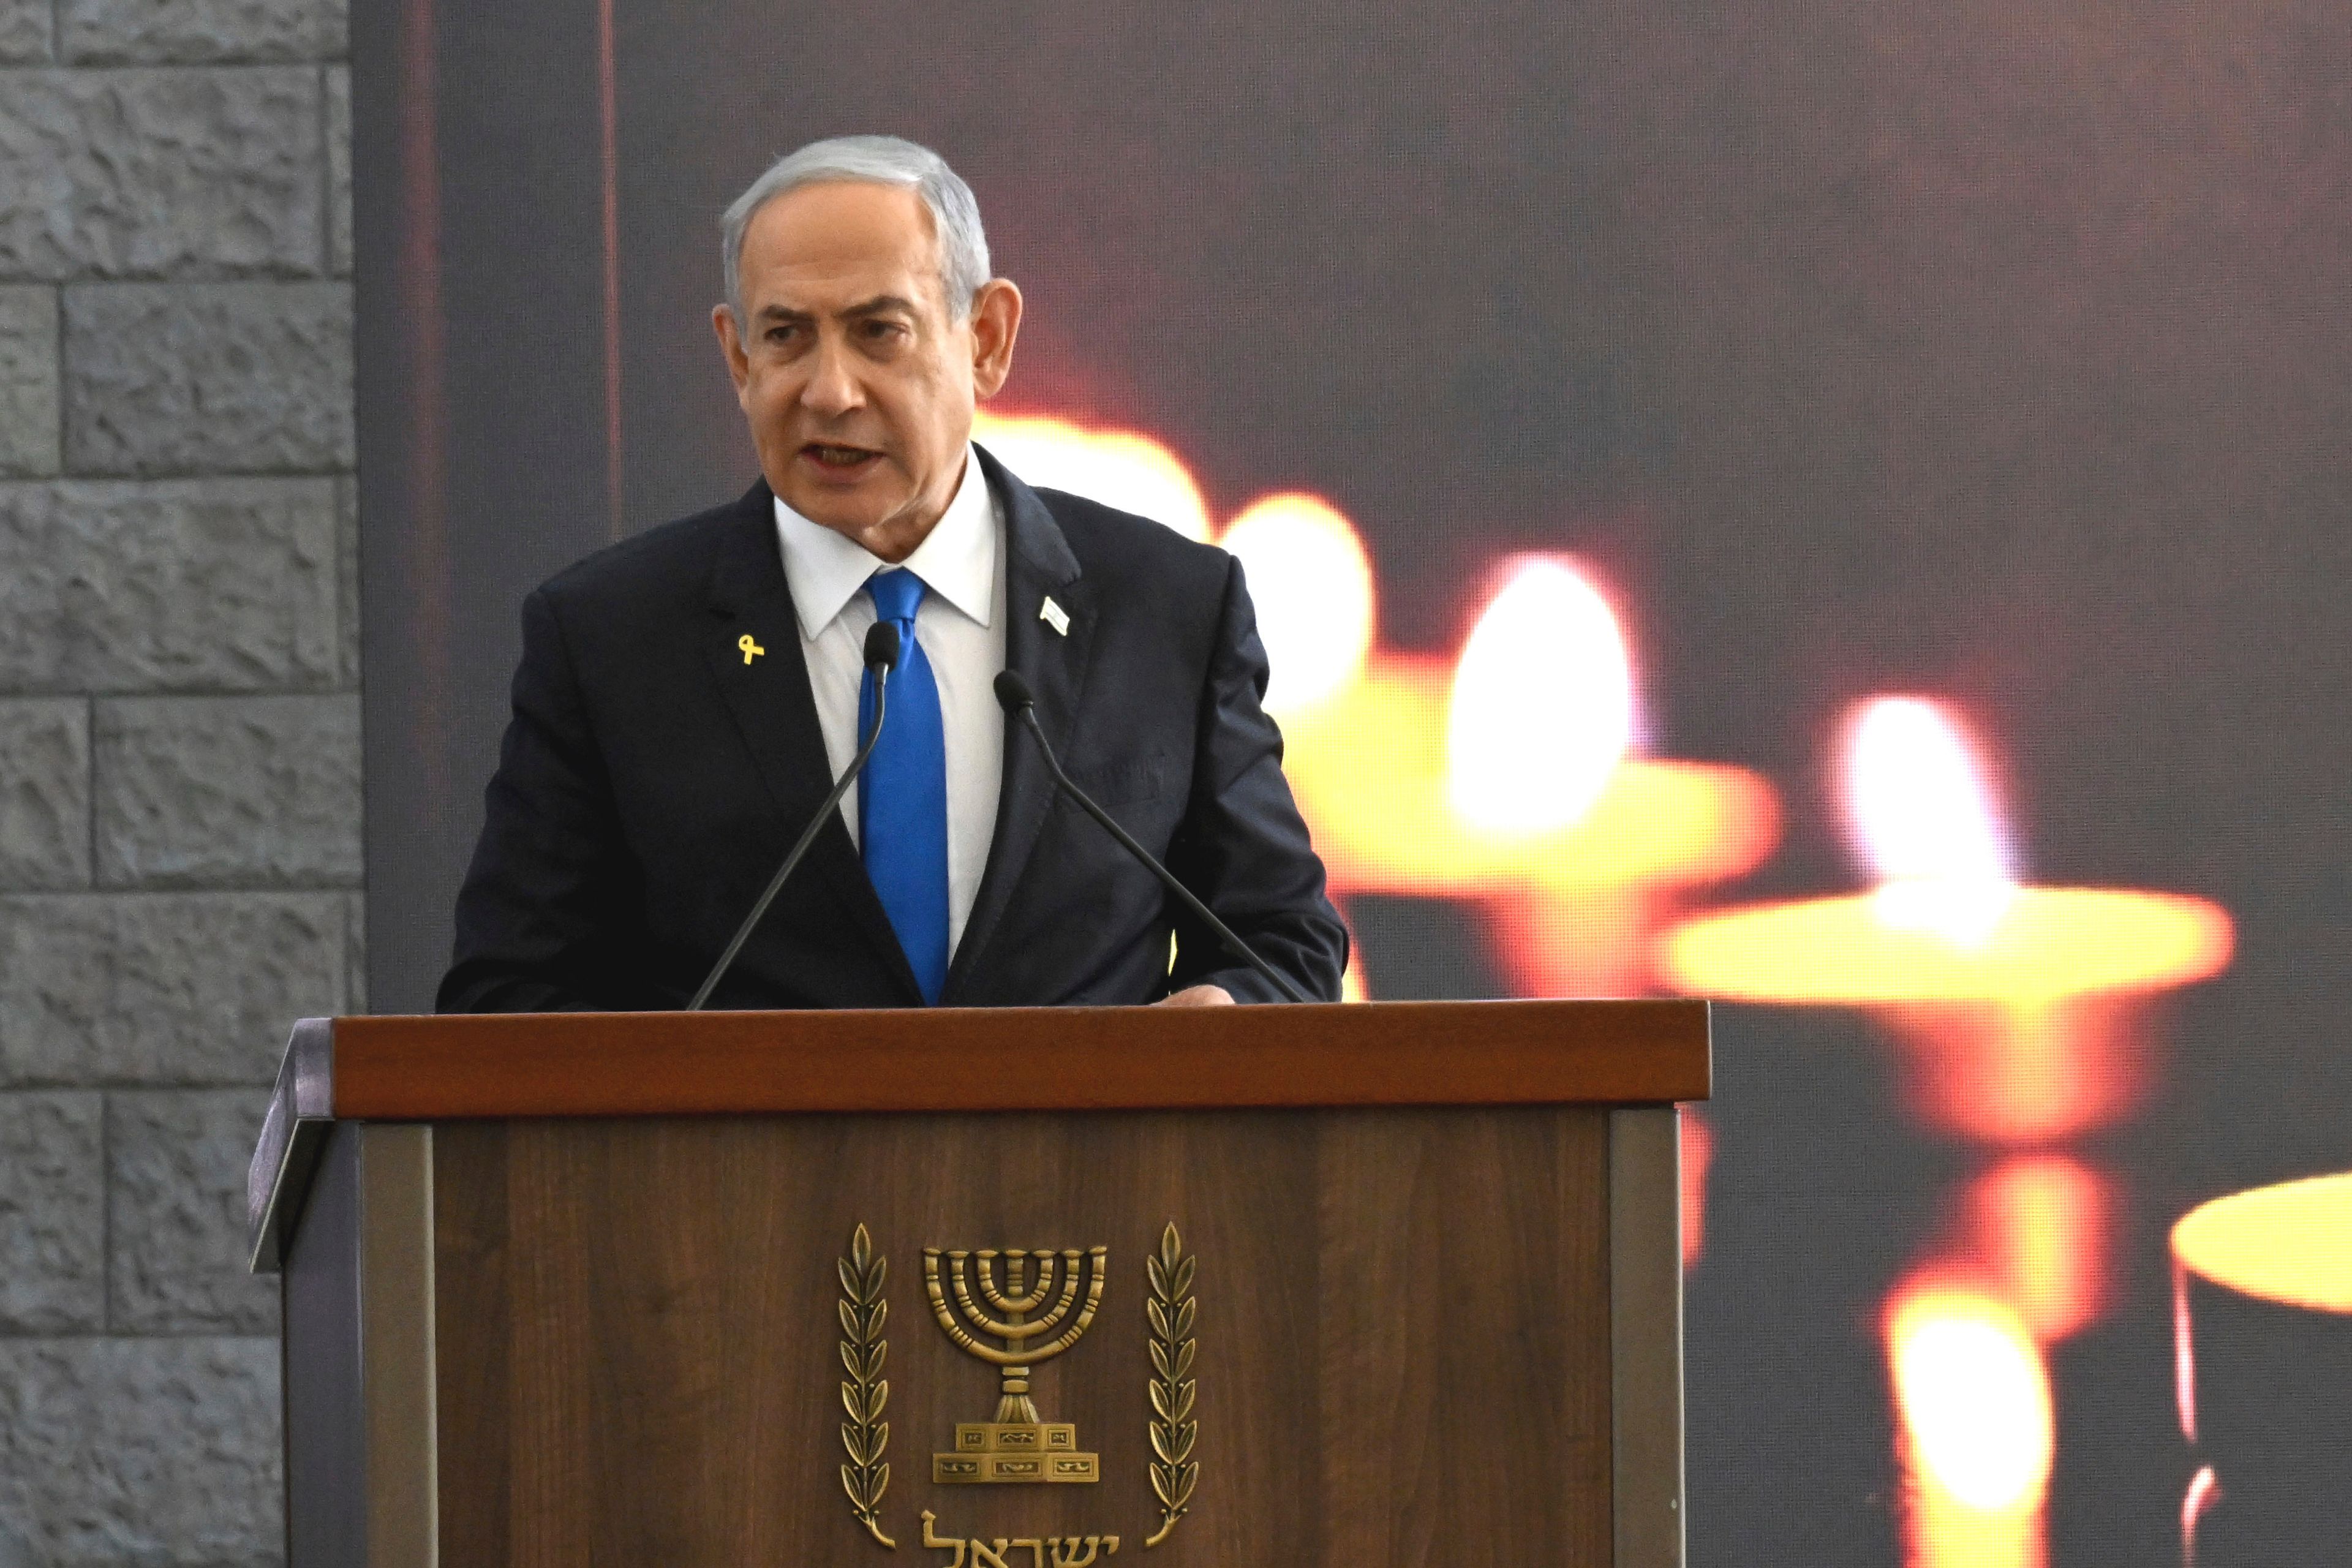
[(1012, 695), (882, 650)]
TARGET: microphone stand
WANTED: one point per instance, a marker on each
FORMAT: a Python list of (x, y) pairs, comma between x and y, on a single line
[(1012, 695), (881, 667)]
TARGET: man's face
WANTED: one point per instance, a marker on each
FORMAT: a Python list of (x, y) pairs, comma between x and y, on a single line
[(856, 379)]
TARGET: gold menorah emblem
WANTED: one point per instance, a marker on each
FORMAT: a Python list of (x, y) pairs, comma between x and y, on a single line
[(1017, 1445)]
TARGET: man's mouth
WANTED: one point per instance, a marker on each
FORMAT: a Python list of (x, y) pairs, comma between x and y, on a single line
[(833, 458)]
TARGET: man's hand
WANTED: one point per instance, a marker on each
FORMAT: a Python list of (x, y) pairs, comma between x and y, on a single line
[(1197, 996)]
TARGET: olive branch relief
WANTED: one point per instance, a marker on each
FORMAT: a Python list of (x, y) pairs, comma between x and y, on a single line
[(1170, 1307), (864, 1391)]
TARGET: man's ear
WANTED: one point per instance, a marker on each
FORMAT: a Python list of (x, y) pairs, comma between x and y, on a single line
[(731, 345), (996, 323)]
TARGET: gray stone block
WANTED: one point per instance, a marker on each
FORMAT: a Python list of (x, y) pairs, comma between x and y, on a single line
[(347, 575), (208, 378), (29, 380), (176, 1213), (356, 983), (43, 794), (52, 1215), (206, 173), (188, 585), (162, 1453), (191, 792), (339, 170), (23, 40), (117, 32), (193, 989)]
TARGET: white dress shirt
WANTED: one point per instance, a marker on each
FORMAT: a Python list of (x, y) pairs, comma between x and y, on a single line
[(960, 627)]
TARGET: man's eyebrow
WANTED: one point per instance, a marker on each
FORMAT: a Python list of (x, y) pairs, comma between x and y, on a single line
[(881, 304)]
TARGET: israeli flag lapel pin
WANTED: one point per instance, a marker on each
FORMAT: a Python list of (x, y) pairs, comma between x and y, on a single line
[(1054, 615)]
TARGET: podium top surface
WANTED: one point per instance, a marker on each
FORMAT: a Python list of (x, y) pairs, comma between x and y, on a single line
[(1025, 1059), (974, 1060)]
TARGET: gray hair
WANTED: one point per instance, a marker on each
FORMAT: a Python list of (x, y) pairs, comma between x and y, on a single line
[(873, 161)]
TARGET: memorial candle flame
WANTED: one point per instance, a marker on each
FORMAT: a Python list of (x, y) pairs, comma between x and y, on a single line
[(1310, 580), (1978, 1429), (1923, 815), (1124, 469), (2020, 1004), (1542, 707), (1501, 779)]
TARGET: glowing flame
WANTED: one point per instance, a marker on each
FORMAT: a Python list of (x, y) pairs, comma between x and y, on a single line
[(1118, 467), (1921, 808), (1312, 584), (1973, 1397), (1543, 702)]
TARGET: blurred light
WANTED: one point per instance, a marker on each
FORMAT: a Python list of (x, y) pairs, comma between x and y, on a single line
[(1311, 582), (2036, 1070), (1572, 853), (1542, 709), (2055, 944), (1699, 1153), (1924, 818), (1573, 911), (1352, 987), (2184, 1349), (2040, 1224), (1972, 1397), (2291, 1244), (2204, 1491), (1118, 467)]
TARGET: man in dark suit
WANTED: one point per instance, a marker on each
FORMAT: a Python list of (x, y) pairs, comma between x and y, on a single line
[(686, 698)]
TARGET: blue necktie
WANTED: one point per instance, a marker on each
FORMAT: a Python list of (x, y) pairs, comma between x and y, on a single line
[(902, 798)]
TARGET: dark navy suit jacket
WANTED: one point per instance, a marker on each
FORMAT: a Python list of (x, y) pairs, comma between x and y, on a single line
[(652, 780)]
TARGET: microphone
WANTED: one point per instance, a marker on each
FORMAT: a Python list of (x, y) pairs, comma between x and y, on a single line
[(1012, 695), (882, 651)]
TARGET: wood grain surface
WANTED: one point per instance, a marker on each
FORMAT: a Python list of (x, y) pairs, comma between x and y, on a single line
[(1404, 1333), (1399, 1053)]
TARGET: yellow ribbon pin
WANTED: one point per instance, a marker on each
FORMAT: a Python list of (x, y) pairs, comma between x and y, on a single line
[(752, 650)]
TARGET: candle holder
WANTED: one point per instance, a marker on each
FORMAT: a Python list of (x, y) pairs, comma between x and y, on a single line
[(2031, 1032), (1574, 909), (2262, 1325)]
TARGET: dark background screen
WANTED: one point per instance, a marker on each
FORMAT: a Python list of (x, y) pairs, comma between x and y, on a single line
[(1993, 352)]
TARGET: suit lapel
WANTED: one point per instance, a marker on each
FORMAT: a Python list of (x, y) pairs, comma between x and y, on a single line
[(776, 713), (1037, 564)]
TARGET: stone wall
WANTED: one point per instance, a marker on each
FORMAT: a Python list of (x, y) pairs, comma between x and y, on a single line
[(179, 738)]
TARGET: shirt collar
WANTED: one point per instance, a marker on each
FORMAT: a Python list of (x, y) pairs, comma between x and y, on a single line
[(956, 560)]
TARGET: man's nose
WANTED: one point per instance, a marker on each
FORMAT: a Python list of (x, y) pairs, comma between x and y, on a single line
[(832, 387)]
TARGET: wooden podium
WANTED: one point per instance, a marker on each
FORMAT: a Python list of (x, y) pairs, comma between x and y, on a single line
[(1250, 1286)]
